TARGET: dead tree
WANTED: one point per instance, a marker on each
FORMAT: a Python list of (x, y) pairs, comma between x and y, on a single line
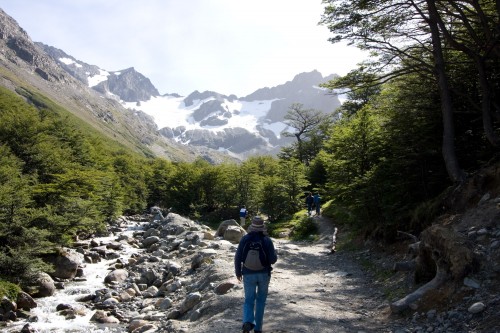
[(334, 241)]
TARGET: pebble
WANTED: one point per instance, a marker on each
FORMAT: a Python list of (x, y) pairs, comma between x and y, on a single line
[(477, 307), (431, 314), (471, 283)]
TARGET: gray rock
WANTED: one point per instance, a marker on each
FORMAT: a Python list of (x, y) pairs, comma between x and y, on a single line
[(150, 292), (165, 304), (116, 276), (25, 301), (147, 242), (44, 284), (102, 317), (190, 301), (233, 234), (471, 283), (476, 307), (224, 225)]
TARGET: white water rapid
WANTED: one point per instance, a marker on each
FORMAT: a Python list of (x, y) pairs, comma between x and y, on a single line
[(48, 318)]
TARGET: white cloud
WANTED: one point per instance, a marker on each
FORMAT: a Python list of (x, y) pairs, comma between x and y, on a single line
[(220, 45)]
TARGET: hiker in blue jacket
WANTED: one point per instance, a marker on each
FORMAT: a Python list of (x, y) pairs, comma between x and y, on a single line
[(309, 203), (243, 215), (256, 273), (317, 203)]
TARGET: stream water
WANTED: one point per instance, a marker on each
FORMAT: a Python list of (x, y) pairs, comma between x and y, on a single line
[(48, 318)]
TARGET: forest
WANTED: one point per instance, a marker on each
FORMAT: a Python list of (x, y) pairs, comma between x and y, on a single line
[(420, 117)]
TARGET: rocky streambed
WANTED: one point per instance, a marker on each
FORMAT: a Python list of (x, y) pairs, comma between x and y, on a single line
[(146, 276)]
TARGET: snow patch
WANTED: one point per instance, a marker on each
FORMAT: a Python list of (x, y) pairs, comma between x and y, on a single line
[(69, 61), (96, 79), (169, 111)]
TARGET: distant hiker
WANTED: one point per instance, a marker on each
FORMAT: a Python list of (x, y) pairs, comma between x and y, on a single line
[(317, 203), (252, 263), (243, 215), (309, 203)]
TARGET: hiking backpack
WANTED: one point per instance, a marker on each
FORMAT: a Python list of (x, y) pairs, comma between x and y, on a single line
[(255, 257)]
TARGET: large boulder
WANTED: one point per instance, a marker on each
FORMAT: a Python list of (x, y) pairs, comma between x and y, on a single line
[(116, 276), (66, 264), (224, 225), (25, 301), (233, 233), (44, 285)]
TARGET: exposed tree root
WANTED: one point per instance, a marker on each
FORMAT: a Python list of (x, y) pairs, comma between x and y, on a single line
[(441, 277), (441, 250)]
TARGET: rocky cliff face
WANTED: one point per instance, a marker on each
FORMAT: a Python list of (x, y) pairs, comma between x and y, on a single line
[(302, 89), (128, 84), (18, 49)]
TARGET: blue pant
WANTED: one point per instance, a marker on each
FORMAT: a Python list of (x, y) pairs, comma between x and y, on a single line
[(256, 286)]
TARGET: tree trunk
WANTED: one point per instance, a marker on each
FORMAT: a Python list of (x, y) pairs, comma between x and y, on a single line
[(486, 103), (455, 173)]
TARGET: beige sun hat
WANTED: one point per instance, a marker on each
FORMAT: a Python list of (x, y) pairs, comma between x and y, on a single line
[(257, 224)]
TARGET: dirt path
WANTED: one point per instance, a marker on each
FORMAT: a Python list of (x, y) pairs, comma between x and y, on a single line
[(311, 290), (315, 291)]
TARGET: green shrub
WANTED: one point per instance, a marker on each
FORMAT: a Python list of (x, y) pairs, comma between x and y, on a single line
[(306, 229), (10, 290)]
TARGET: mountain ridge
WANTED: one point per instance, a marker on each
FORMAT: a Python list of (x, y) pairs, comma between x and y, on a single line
[(205, 123)]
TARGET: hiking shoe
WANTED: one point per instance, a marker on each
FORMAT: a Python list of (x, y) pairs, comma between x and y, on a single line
[(247, 327)]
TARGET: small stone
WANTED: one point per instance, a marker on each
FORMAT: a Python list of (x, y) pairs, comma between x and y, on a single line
[(471, 283), (477, 307), (431, 314), (495, 244), (482, 231)]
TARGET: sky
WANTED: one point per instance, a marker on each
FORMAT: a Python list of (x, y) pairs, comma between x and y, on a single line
[(226, 46)]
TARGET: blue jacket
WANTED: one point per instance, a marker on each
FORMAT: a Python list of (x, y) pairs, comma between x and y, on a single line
[(317, 199), (268, 246)]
